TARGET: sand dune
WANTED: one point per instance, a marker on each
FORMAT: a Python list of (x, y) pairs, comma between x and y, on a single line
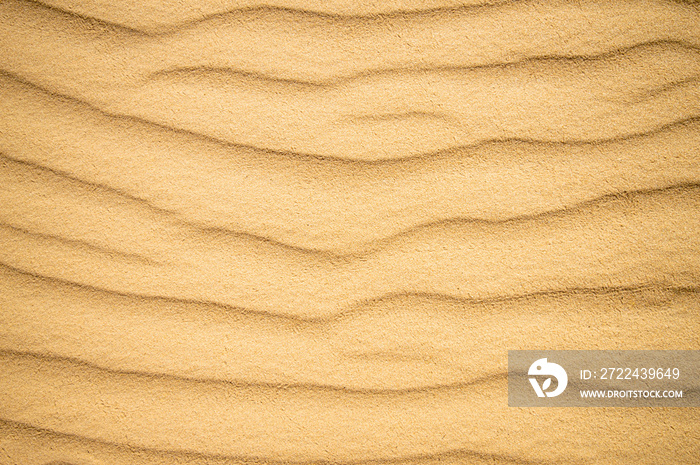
[(286, 231)]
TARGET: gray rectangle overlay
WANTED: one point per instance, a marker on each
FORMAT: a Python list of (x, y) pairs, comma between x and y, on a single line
[(604, 378)]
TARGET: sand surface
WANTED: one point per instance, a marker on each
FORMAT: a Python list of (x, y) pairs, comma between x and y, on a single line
[(298, 231)]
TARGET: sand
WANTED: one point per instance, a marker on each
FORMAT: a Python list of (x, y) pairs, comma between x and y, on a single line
[(302, 231)]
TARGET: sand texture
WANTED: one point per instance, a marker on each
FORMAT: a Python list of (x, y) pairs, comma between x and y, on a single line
[(308, 232)]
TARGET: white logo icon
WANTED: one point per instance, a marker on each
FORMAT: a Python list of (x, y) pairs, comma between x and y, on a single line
[(542, 367)]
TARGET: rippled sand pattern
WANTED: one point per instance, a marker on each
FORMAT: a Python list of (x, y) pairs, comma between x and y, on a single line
[(298, 231)]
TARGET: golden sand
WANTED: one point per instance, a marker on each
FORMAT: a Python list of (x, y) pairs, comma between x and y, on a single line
[(296, 231)]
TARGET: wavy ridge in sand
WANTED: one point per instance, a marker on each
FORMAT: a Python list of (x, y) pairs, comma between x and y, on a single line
[(332, 204), (235, 232), (442, 342), (660, 84), (152, 255), (155, 17), (126, 415)]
